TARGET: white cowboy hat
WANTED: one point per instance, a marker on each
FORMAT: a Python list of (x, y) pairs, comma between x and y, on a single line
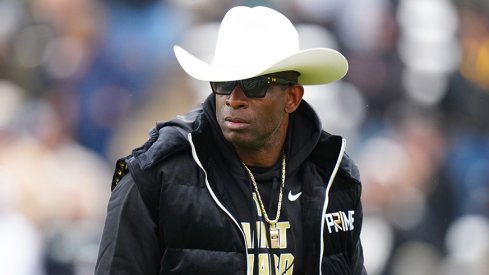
[(257, 41)]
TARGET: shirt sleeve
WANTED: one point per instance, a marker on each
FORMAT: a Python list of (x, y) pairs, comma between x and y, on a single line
[(129, 242)]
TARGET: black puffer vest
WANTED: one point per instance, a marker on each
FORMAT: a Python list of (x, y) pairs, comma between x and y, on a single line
[(199, 231)]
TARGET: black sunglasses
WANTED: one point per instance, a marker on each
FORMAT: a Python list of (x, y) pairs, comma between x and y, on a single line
[(252, 87)]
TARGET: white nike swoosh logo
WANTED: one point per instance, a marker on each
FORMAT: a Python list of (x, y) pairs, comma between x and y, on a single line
[(293, 197)]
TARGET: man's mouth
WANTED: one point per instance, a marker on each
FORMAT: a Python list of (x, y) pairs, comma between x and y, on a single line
[(235, 123)]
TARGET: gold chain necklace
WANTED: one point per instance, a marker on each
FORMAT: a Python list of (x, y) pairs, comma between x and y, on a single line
[(274, 234)]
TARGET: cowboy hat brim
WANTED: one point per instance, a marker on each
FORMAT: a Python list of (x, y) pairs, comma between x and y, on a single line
[(316, 66)]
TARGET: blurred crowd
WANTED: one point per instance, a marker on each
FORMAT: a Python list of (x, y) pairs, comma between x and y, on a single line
[(82, 82)]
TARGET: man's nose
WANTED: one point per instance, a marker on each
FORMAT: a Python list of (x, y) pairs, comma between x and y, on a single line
[(237, 98)]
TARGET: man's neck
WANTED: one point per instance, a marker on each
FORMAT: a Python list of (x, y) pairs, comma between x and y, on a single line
[(260, 158)]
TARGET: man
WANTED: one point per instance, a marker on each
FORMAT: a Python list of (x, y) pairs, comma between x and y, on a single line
[(248, 183)]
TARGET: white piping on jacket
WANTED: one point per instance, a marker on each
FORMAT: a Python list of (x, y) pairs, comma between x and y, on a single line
[(214, 197), (326, 200)]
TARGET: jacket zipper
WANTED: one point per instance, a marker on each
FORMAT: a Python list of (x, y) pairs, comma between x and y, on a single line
[(214, 197), (326, 201)]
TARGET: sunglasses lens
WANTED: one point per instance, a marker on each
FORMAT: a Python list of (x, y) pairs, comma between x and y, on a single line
[(223, 88), (255, 87)]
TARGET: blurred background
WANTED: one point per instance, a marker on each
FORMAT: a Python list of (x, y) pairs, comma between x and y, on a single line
[(82, 82)]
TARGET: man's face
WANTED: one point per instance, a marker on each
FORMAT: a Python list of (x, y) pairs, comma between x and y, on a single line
[(252, 123)]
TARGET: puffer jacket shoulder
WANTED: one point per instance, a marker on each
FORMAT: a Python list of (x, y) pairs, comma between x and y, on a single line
[(165, 140)]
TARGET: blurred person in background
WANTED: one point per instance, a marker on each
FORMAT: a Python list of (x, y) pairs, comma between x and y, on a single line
[(52, 185), (435, 134), (128, 61), (466, 103), (247, 183), (466, 110), (58, 189), (22, 248), (82, 54), (51, 191)]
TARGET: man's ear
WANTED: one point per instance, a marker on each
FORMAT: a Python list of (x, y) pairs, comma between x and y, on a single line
[(294, 97)]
